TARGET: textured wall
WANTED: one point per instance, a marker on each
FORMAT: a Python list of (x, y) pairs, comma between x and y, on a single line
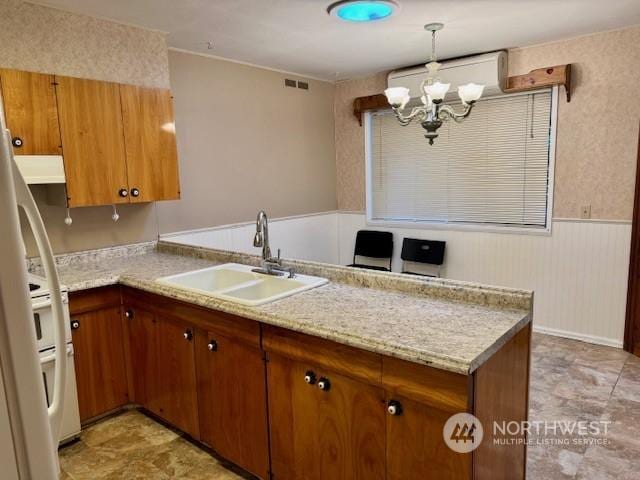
[(350, 140), (43, 39), (597, 131), (247, 142)]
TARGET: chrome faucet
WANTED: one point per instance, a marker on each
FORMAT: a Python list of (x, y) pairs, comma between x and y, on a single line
[(270, 265), (261, 238)]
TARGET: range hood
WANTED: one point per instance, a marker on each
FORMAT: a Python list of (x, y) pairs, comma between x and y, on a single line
[(41, 169)]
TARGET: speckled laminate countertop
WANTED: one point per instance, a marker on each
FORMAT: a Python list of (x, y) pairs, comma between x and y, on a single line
[(454, 326)]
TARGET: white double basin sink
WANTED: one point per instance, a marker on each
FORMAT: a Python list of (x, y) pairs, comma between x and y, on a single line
[(235, 282)]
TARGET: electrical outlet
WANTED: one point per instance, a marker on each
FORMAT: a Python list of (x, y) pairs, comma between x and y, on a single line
[(585, 211)]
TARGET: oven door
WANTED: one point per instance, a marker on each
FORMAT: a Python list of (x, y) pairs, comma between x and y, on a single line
[(70, 416), (43, 320)]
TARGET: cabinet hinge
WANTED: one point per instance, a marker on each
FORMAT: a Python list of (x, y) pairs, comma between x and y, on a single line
[(265, 358), (55, 83)]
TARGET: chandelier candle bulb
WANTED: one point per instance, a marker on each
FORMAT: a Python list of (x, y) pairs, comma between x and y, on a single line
[(398, 96), (470, 92), (437, 91)]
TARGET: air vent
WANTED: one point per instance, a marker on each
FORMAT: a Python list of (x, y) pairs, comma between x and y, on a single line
[(303, 85), (289, 83)]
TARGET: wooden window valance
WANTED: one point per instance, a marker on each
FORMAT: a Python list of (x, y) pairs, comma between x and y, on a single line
[(539, 78)]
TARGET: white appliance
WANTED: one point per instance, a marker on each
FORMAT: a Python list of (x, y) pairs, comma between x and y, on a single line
[(489, 69), (30, 430), (45, 337)]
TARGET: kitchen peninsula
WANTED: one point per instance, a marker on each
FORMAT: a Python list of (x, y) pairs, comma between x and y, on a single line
[(354, 379)]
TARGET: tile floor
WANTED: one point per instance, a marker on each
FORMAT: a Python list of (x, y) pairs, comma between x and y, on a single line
[(132, 446), (576, 381), (570, 380)]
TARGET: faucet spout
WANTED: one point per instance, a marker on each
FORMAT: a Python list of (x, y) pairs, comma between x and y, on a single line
[(270, 265), (261, 239)]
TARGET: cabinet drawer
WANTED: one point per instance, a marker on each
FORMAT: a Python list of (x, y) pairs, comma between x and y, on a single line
[(349, 361), (94, 299), (444, 390), (231, 326)]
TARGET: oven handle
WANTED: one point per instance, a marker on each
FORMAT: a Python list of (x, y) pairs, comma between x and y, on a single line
[(39, 305), (45, 302), (25, 200), (52, 356)]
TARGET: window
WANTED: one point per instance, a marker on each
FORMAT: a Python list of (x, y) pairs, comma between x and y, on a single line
[(493, 169)]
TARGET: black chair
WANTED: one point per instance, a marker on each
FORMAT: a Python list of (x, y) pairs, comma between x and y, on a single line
[(373, 244), (430, 252)]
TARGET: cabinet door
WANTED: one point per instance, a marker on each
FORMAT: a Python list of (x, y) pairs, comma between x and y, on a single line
[(178, 400), (338, 433), (143, 351), (93, 141), (150, 142), (232, 400), (415, 446), (99, 362), (31, 112)]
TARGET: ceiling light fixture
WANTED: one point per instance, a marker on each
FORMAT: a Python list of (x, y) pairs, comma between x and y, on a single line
[(432, 112), (362, 11)]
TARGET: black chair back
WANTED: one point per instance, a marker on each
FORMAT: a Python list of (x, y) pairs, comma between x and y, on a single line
[(373, 244), (423, 251)]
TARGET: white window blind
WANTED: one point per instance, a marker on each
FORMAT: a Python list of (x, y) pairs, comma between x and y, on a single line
[(493, 168)]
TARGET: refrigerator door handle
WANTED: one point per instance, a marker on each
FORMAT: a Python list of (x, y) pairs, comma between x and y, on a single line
[(28, 204)]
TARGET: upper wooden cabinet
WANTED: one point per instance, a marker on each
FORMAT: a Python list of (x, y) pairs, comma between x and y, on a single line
[(31, 112), (93, 142), (150, 141), (118, 141)]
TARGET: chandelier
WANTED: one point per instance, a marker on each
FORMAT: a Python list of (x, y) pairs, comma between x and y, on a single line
[(432, 112)]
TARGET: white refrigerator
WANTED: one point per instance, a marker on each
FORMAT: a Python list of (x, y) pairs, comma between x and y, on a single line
[(29, 430)]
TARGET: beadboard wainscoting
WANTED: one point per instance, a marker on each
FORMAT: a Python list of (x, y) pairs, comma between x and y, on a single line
[(304, 237), (579, 272)]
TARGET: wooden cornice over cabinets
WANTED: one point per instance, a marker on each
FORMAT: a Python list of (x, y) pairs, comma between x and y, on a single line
[(535, 79)]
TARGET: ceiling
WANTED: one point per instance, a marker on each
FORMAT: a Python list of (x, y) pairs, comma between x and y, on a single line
[(298, 35)]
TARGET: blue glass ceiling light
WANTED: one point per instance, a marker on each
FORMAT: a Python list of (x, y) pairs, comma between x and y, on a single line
[(362, 11)]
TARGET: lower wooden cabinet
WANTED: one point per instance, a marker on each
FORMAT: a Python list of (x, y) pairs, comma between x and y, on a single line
[(415, 450), (324, 425), (163, 367), (315, 410), (99, 355), (176, 383), (143, 353), (232, 400)]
